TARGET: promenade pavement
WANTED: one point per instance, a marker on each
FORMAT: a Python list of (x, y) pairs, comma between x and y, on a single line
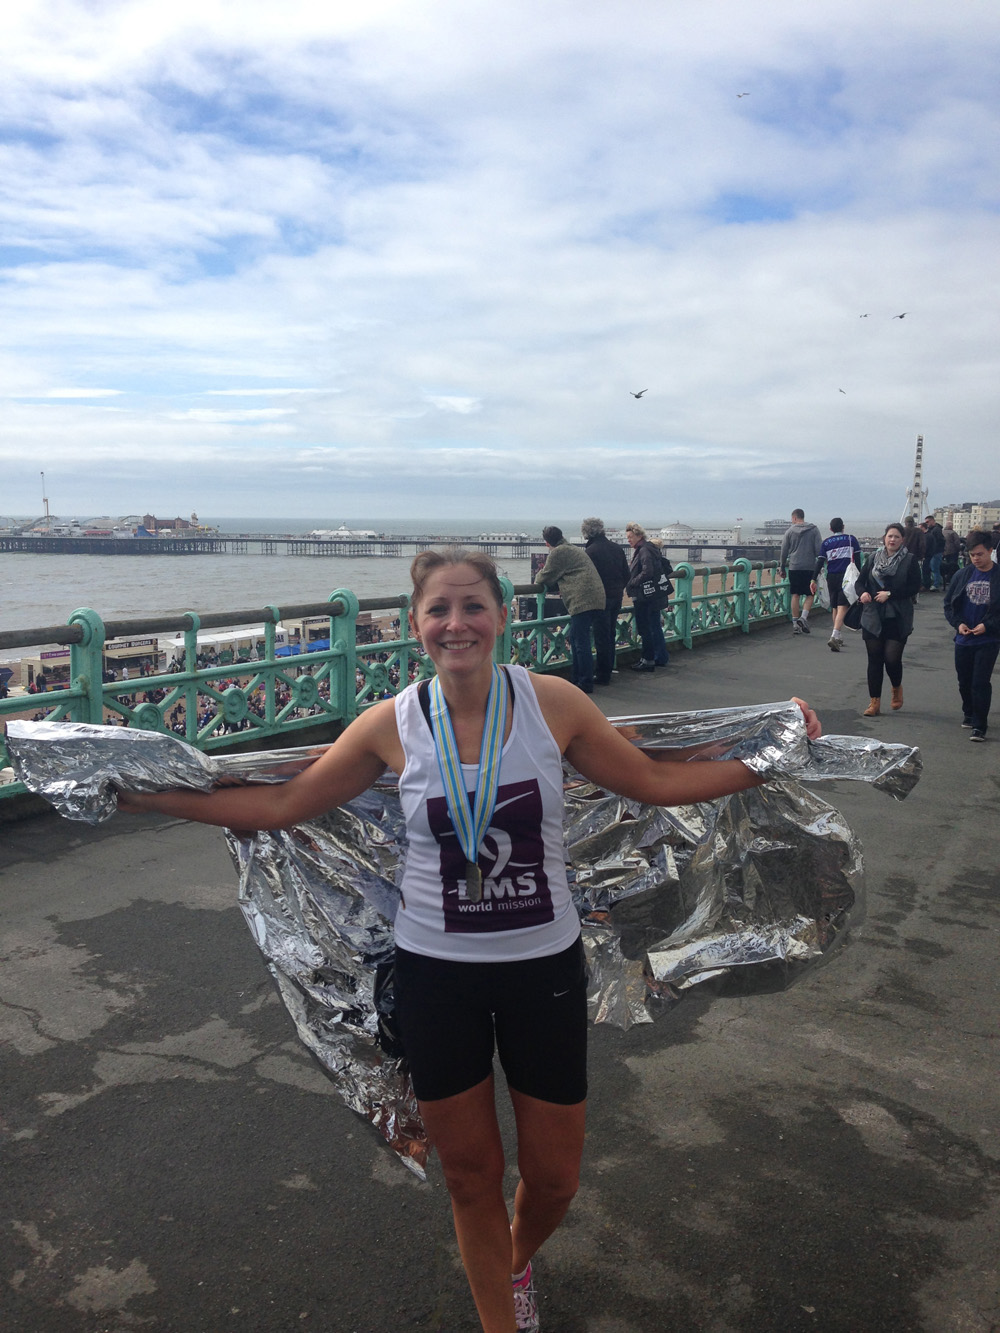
[(818, 1158)]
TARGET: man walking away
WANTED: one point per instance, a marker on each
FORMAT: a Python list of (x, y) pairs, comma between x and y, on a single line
[(837, 552), (933, 552), (611, 563), (800, 549), (952, 550), (582, 592), (972, 608)]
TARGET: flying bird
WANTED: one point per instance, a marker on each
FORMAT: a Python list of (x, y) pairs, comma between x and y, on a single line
[(639, 394), (841, 390), (902, 316), (742, 94), (862, 317)]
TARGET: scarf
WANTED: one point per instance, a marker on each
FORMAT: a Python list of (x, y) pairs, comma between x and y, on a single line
[(884, 563)]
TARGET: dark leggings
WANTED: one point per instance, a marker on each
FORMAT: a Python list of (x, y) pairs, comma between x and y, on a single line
[(884, 654)]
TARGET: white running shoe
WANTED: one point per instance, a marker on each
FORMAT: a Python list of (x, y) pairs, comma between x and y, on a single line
[(526, 1304)]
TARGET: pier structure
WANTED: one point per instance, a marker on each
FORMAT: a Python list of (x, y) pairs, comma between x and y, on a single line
[(520, 547), (262, 543), (759, 1159)]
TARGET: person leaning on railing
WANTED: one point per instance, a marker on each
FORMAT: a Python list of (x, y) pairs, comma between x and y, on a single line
[(582, 593)]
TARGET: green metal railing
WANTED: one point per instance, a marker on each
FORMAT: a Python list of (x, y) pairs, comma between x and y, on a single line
[(272, 695)]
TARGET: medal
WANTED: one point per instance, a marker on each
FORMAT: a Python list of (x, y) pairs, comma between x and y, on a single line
[(470, 824), (473, 882)]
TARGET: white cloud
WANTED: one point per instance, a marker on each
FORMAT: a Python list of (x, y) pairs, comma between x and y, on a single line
[(210, 416), (533, 211), (451, 402)]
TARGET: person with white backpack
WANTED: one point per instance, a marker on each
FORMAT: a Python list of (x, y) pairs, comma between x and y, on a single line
[(839, 552)]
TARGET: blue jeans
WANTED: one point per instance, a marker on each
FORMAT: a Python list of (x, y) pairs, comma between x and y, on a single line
[(605, 629), (974, 663), (650, 628), (583, 653), (932, 570)]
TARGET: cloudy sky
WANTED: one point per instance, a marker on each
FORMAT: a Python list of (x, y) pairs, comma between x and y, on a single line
[(412, 259)]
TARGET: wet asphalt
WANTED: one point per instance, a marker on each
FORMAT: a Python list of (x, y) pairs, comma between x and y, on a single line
[(822, 1157)]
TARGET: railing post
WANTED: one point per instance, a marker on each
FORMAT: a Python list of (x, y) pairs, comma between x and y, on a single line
[(742, 590), (191, 671), (270, 644), (683, 584), (86, 667), (344, 637), (501, 652)]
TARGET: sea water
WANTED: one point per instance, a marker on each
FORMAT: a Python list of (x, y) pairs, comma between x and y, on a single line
[(38, 591)]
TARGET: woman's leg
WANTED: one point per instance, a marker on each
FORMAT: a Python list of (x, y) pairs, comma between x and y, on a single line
[(893, 652), (876, 661), (549, 1149), (660, 655), (466, 1136), (642, 626)]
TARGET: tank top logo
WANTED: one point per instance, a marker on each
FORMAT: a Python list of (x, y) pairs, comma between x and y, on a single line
[(512, 858)]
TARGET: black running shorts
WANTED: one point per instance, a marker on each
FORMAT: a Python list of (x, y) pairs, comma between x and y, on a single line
[(452, 1016), (800, 581), (835, 587)]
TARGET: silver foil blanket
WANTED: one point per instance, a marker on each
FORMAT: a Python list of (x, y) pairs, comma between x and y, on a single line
[(765, 880)]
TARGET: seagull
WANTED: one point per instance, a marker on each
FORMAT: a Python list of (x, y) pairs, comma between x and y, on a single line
[(862, 317), (639, 394), (742, 94), (902, 316), (841, 390)]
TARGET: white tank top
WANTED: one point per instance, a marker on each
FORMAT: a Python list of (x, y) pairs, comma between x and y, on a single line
[(526, 909)]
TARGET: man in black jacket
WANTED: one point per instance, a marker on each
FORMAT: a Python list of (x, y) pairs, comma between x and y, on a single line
[(611, 563), (972, 608), (933, 552)]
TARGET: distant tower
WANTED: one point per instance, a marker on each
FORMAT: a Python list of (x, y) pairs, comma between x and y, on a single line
[(916, 495)]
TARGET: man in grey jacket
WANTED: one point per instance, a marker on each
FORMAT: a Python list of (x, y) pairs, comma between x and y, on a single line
[(801, 547), (582, 592)]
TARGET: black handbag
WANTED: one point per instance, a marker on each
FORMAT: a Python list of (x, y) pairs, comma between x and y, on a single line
[(853, 617), (662, 586)]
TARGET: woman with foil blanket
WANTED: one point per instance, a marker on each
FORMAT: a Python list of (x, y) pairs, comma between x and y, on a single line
[(488, 950)]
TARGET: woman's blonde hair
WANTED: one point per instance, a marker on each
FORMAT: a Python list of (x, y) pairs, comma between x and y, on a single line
[(637, 528)]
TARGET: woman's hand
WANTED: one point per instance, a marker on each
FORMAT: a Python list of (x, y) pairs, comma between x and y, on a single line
[(865, 598), (882, 596), (131, 802), (814, 727)]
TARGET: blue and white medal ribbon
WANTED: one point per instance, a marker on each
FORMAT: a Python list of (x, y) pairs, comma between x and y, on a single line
[(470, 825)]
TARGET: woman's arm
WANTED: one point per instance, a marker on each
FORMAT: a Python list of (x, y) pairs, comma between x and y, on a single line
[(602, 754), (357, 758)]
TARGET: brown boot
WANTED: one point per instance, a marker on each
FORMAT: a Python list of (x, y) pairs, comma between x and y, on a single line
[(897, 696), (873, 708)]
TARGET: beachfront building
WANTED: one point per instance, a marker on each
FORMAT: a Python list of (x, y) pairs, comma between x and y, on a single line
[(969, 517)]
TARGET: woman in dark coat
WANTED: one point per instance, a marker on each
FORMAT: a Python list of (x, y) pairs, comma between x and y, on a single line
[(646, 567), (887, 586)]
